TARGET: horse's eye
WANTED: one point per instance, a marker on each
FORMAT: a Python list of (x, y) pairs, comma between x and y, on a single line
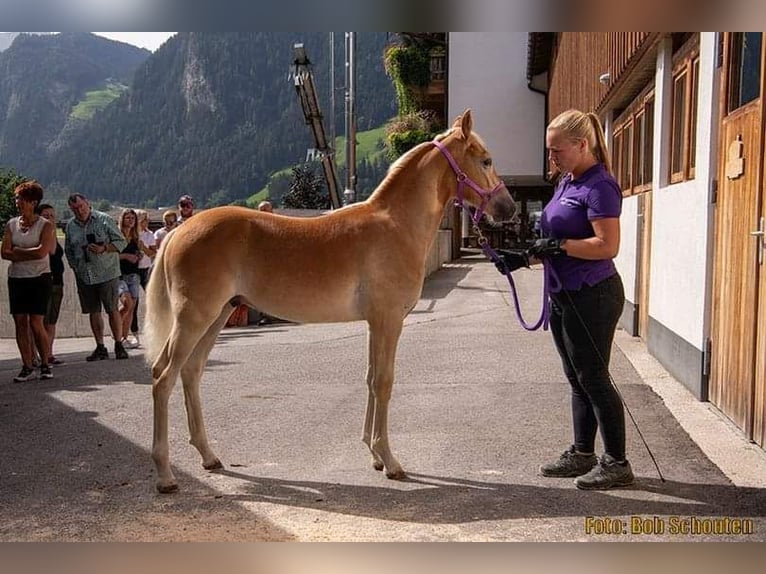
[(487, 162)]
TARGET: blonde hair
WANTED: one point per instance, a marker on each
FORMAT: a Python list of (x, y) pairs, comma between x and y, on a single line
[(130, 234), (575, 124)]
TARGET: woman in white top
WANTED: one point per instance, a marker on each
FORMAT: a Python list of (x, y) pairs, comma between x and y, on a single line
[(149, 252), (28, 241)]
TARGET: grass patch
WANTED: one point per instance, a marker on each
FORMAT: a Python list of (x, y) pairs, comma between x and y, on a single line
[(369, 144), (96, 101)]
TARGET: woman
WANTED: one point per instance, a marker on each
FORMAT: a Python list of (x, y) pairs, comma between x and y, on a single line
[(148, 252), (580, 229), (57, 285), (28, 240), (130, 282)]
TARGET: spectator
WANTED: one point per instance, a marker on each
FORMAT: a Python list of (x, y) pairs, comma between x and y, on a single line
[(170, 221), (148, 252), (92, 247), (266, 206), (57, 285), (185, 208), (28, 240), (130, 283)]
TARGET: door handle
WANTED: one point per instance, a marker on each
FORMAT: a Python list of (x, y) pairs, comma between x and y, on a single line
[(760, 233)]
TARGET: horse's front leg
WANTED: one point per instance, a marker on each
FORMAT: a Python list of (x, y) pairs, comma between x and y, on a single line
[(384, 339), (377, 462)]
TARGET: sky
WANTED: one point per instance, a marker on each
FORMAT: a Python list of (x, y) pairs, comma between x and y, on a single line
[(149, 40)]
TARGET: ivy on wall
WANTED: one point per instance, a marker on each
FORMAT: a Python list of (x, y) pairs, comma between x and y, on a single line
[(410, 69)]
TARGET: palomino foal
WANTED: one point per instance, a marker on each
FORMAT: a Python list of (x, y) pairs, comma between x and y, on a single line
[(362, 262)]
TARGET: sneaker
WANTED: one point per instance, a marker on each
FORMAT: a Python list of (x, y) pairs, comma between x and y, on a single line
[(26, 374), (45, 372), (120, 352), (128, 344), (99, 354), (606, 474), (569, 464), (55, 361)]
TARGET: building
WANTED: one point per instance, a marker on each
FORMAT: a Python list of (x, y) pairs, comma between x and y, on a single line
[(683, 115), (487, 72)]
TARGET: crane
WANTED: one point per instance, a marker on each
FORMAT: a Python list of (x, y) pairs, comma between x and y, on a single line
[(304, 85)]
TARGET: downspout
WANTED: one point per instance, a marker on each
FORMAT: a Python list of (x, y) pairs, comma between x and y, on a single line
[(545, 122)]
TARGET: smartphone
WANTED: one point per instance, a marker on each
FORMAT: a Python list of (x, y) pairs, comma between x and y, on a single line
[(90, 238)]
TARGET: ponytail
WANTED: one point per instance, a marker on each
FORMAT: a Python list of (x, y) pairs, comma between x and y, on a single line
[(600, 150)]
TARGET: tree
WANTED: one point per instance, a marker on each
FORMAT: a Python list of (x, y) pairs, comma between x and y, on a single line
[(8, 182), (307, 189)]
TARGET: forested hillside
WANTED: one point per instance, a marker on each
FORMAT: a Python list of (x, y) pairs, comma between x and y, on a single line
[(212, 115), (42, 78)]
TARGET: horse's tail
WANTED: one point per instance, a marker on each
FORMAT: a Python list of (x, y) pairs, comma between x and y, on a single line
[(159, 313)]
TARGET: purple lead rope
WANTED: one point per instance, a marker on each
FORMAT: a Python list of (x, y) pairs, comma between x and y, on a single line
[(548, 273)]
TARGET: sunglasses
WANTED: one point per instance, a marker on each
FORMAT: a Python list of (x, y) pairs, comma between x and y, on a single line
[(185, 204)]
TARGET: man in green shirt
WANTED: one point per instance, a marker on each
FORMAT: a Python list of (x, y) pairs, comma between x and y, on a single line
[(92, 248)]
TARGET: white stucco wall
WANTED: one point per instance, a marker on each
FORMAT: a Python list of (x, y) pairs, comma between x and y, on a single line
[(487, 73), (682, 218), (626, 258)]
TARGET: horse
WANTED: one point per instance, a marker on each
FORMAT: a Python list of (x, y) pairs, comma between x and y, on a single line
[(364, 261)]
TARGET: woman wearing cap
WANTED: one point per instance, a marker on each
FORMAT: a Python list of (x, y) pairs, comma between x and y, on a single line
[(185, 208)]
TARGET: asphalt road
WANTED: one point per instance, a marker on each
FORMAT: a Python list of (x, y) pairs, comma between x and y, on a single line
[(478, 404)]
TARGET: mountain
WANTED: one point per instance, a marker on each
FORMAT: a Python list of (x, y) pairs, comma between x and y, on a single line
[(43, 78), (6, 39), (212, 115)]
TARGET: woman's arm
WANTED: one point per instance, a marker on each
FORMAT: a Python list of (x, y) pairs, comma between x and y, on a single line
[(46, 247), (605, 244)]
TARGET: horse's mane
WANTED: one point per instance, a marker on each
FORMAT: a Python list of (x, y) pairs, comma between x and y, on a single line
[(404, 160)]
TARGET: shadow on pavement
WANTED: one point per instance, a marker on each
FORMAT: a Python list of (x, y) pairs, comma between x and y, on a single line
[(66, 476), (444, 500)]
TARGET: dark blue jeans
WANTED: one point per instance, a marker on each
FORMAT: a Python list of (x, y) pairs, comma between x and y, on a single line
[(595, 402)]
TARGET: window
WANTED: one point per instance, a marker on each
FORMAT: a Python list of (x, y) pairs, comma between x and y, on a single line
[(746, 69), (633, 144), (683, 137)]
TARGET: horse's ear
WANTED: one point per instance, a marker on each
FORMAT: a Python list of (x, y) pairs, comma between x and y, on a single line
[(465, 122)]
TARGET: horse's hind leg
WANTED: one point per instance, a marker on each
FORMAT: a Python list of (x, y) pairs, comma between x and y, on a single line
[(165, 370), (377, 462), (384, 339), (191, 373)]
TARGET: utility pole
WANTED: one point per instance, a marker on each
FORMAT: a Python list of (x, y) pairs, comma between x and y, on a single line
[(349, 194), (332, 90)]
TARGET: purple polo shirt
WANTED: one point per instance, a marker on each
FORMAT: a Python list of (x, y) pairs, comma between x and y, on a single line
[(575, 203)]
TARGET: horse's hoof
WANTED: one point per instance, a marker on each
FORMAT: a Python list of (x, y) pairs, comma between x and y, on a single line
[(377, 465), (396, 475), (212, 465), (167, 488)]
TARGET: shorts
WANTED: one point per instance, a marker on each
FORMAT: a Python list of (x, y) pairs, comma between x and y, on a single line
[(92, 297), (54, 304), (129, 284), (29, 295)]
